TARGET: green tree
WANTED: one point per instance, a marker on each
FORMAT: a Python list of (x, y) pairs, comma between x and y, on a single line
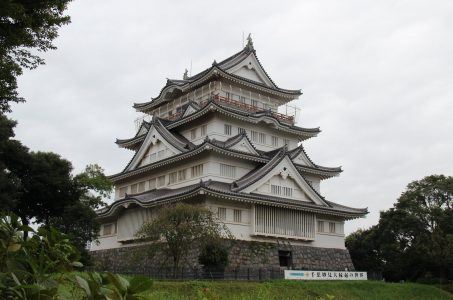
[(413, 239), (26, 27), (181, 227)]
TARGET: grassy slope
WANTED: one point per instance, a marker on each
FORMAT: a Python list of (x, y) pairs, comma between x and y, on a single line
[(294, 290)]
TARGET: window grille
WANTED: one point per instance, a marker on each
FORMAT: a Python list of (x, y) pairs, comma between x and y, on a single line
[(152, 184), (237, 214), (254, 103), (160, 154), (123, 192), (227, 171), (204, 130), (262, 138), (320, 226), (273, 221), (241, 130), (193, 134), (161, 181), (221, 213), (274, 141), (172, 177), (109, 229), (134, 188), (227, 129), (332, 227), (286, 142), (182, 175), (197, 170), (254, 136), (281, 190), (141, 187), (152, 157)]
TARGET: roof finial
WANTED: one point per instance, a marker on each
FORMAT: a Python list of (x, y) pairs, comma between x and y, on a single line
[(185, 75), (214, 62), (249, 42)]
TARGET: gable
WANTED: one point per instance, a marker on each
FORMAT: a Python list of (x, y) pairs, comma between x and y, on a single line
[(283, 187), (250, 68), (152, 139), (190, 110), (142, 130), (291, 178), (244, 146), (302, 159)]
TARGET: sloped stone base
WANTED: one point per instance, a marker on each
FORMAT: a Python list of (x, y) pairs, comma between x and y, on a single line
[(243, 254)]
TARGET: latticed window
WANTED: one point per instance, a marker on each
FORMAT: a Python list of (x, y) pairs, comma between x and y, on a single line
[(152, 183), (152, 157), (281, 190), (262, 138), (182, 175), (241, 130), (227, 171), (109, 229), (320, 226), (332, 228), (161, 154), (197, 170), (204, 130), (134, 188), (254, 103), (193, 134), (123, 192), (274, 141), (288, 192), (286, 141), (237, 215), (227, 129), (141, 187), (161, 181), (273, 221), (221, 213), (254, 136), (172, 177)]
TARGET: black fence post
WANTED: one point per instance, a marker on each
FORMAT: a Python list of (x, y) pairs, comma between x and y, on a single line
[(248, 273)]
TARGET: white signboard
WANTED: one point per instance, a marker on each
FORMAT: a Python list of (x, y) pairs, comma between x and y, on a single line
[(324, 275)]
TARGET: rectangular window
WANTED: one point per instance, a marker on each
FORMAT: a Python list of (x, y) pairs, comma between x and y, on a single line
[(141, 187), (320, 226), (196, 171), (332, 227), (204, 130), (227, 95), (109, 229), (134, 188), (160, 154), (262, 138), (274, 141), (123, 192), (286, 142), (172, 177), (161, 181), (242, 100), (227, 129), (152, 157), (254, 103), (276, 189), (227, 171), (193, 134), (221, 213), (237, 214), (152, 184), (288, 192), (182, 175), (241, 130), (254, 136)]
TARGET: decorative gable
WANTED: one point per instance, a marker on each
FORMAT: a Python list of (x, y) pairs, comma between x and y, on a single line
[(283, 176), (302, 159), (244, 145), (149, 145), (189, 110), (251, 69)]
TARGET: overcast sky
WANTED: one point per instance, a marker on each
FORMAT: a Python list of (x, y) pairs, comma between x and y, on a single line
[(377, 77)]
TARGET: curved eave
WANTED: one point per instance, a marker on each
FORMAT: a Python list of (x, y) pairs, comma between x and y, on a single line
[(132, 143), (202, 189), (322, 172), (247, 117), (213, 73), (206, 146)]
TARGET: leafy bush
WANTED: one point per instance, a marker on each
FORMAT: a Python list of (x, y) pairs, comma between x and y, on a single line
[(214, 255)]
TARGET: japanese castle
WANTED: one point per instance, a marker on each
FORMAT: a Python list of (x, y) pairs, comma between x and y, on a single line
[(217, 139)]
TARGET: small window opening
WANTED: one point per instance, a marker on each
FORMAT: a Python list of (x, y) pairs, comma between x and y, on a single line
[(285, 258)]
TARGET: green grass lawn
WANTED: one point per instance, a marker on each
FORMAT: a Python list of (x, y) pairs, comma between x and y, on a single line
[(282, 289)]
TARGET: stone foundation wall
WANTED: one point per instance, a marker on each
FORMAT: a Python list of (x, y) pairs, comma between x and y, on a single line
[(242, 254)]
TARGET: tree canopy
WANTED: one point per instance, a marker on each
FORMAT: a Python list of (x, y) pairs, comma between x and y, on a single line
[(413, 239), (26, 27)]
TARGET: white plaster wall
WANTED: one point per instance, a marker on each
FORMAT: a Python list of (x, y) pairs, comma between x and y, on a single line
[(107, 242)]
